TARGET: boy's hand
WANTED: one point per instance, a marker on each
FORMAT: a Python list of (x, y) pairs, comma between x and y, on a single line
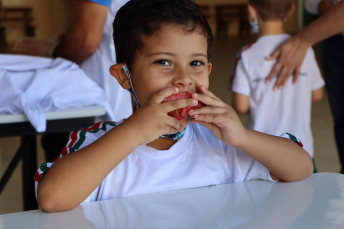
[(151, 120), (218, 117)]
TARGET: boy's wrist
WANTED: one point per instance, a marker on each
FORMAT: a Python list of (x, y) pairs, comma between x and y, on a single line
[(243, 140), (131, 130)]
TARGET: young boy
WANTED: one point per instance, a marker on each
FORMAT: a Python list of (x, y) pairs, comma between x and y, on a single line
[(165, 45), (272, 111)]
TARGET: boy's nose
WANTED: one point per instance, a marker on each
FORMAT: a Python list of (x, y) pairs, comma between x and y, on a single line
[(183, 79)]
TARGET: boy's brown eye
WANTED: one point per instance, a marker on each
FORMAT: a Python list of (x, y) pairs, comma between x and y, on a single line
[(163, 62), (197, 63)]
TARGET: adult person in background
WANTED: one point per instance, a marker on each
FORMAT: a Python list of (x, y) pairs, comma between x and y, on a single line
[(291, 53), (88, 43)]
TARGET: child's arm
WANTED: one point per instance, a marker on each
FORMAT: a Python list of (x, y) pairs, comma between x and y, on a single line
[(317, 95), (286, 160), (240, 103), (71, 179)]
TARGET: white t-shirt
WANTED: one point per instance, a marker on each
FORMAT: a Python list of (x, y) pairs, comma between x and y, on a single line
[(198, 159), (275, 112), (98, 65)]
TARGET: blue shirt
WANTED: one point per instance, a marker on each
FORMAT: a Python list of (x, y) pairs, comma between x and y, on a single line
[(102, 2)]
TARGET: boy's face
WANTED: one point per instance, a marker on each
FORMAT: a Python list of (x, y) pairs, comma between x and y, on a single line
[(171, 57)]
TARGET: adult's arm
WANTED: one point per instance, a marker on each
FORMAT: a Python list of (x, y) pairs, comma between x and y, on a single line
[(79, 42), (291, 53), (85, 36)]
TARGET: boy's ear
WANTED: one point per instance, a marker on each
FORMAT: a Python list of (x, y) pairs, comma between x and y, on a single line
[(210, 66), (252, 12), (118, 72), (291, 10)]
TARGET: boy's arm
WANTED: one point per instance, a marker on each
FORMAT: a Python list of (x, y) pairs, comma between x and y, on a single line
[(285, 159), (317, 95), (71, 179), (317, 78), (241, 103)]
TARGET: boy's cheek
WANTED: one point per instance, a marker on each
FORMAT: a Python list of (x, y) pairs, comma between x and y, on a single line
[(204, 83)]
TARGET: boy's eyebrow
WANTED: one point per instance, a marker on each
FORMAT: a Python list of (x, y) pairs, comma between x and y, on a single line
[(160, 53), (200, 54), (172, 54)]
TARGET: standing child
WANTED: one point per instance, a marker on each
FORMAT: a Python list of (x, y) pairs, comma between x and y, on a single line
[(272, 111), (165, 46)]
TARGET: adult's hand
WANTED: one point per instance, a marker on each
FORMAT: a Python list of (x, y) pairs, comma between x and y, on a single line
[(290, 56)]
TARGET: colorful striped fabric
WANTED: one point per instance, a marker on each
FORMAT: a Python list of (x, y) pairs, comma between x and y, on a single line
[(293, 138), (77, 141), (236, 63)]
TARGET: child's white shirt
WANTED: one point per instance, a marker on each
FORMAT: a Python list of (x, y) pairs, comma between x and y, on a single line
[(198, 159), (282, 110)]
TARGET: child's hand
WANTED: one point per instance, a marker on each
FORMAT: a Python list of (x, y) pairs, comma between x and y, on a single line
[(151, 120), (218, 117)]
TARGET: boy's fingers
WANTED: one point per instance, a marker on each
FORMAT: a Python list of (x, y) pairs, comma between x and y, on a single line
[(210, 118), (162, 94), (208, 100), (177, 104), (208, 110), (174, 123), (171, 130)]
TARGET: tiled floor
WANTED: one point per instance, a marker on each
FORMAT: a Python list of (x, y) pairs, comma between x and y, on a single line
[(223, 54)]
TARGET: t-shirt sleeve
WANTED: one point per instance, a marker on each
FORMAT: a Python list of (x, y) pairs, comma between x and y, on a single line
[(77, 141), (317, 78), (239, 81), (102, 2), (244, 168), (293, 138)]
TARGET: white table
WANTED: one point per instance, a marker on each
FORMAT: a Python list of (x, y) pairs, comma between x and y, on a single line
[(58, 121), (316, 202)]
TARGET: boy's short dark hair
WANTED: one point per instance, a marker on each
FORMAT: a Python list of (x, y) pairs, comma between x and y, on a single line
[(270, 10), (144, 17)]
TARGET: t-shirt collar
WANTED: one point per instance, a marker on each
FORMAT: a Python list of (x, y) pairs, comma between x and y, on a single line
[(176, 149)]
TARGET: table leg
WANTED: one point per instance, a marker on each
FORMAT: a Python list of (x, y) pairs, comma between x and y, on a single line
[(28, 170), (9, 171)]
